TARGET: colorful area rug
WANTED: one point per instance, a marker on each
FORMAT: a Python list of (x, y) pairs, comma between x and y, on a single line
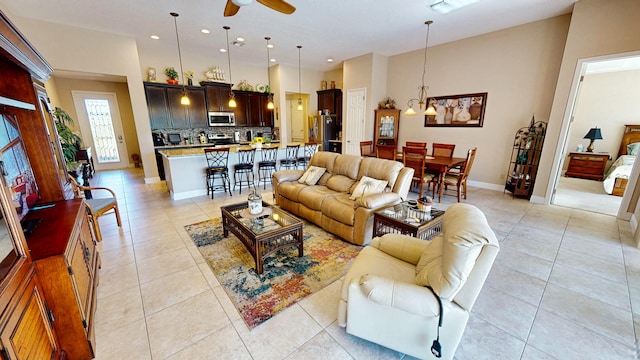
[(286, 278)]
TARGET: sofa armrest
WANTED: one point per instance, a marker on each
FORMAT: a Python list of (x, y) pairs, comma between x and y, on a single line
[(404, 247), (411, 298), (374, 201), (286, 175)]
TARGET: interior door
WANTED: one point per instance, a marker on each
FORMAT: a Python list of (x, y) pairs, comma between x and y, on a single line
[(297, 121), (101, 127), (355, 128)]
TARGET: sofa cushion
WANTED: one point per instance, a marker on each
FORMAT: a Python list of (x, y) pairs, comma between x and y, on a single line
[(324, 159), (347, 165), (465, 232), (340, 183), (313, 196), (340, 208), (368, 185), (380, 169), (312, 175), (291, 189)]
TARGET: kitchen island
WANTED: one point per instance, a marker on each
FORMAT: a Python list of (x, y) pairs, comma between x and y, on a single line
[(185, 169)]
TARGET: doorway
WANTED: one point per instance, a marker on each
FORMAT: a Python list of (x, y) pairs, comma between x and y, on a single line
[(101, 126), (356, 124), (603, 88), (297, 118)]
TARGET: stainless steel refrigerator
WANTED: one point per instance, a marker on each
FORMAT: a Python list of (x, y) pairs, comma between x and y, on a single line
[(331, 133)]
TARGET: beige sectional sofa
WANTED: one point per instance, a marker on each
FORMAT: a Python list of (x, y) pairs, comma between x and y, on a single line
[(328, 204)]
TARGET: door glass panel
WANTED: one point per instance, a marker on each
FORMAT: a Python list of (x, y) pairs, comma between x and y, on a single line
[(104, 139)]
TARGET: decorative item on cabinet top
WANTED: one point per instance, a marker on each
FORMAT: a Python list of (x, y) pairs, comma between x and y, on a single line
[(214, 73), (244, 86)]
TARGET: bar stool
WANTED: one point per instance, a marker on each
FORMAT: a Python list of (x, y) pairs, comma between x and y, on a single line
[(290, 160), (217, 168), (267, 166), (244, 168), (310, 148)]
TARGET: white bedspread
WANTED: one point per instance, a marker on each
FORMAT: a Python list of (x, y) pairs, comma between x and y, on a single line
[(621, 168)]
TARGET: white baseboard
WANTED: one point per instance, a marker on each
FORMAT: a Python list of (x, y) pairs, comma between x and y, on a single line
[(485, 185)]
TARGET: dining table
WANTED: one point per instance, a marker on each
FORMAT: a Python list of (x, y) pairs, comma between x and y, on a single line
[(439, 165)]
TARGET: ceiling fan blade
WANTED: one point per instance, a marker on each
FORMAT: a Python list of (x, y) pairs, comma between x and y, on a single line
[(278, 5), (231, 9)]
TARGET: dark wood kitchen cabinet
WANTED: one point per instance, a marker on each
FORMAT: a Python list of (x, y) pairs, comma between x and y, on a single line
[(217, 95), (252, 109), (330, 99), (166, 111)]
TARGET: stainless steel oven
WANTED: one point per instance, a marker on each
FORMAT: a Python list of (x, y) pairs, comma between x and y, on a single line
[(222, 118)]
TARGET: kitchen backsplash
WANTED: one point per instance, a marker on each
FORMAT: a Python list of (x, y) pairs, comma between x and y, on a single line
[(194, 134)]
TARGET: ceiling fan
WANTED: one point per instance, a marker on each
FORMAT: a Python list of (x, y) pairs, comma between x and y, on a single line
[(233, 6)]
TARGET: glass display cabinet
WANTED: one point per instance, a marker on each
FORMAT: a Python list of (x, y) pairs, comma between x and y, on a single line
[(386, 126)]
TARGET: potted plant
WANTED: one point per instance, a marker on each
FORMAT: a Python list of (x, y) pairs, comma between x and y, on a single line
[(69, 141), (172, 74), (387, 103)]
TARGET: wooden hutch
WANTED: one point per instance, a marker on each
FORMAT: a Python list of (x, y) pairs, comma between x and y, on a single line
[(48, 259)]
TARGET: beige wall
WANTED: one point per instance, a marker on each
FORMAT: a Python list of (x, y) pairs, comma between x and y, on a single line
[(65, 101), (598, 28), (517, 67), (608, 101)]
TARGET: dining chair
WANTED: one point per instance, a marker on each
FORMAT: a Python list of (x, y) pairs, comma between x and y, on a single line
[(443, 149), (413, 157), (96, 207), (458, 177), (366, 148), (422, 145), (387, 152)]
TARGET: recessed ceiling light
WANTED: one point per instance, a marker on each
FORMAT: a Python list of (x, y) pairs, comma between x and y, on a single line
[(445, 6), (239, 38), (272, 60), (155, 37), (223, 50), (205, 31), (270, 46), (330, 60), (238, 43)]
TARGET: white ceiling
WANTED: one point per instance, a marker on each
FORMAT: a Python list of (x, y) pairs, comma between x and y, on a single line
[(340, 29)]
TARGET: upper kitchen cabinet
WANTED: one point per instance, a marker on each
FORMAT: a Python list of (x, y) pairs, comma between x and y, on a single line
[(217, 95), (252, 109), (158, 105), (189, 116), (330, 99), (166, 111)]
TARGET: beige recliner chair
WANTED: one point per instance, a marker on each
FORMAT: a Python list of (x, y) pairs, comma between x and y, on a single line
[(384, 296)]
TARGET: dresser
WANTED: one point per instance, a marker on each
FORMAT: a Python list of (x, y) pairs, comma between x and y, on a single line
[(587, 165)]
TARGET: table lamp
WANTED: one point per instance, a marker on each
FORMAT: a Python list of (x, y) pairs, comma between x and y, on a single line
[(593, 135)]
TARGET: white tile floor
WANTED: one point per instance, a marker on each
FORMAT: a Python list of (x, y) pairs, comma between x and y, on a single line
[(566, 285)]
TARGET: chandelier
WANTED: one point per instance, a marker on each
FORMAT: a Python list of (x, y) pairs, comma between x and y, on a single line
[(422, 90)]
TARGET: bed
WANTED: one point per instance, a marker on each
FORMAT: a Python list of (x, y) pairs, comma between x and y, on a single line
[(615, 180)]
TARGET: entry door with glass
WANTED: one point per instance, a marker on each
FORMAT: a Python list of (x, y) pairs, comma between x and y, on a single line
[(101, 126)]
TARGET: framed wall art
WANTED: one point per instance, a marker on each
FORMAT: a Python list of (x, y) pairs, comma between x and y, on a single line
[(465, 110)]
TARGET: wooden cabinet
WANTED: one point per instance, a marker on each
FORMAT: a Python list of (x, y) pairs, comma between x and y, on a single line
[(166, 111), (332, 100), (217, 95), (386, 126), (64, 251), (525, 158), (587, 165), (157, 104), (27, 332), (252, 109)]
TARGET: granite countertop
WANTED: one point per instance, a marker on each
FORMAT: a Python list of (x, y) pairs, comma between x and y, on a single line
[(207, 145), (174, 152)]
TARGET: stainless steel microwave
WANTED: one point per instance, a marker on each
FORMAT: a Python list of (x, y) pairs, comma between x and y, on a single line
[(222, 118)]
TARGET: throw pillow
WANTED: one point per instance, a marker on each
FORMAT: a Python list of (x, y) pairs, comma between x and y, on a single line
[(366, 186), (312, 175), (632, 149)]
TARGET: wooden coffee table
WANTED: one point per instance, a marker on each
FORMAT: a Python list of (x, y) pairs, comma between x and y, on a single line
[(404, 219), (262, 234)]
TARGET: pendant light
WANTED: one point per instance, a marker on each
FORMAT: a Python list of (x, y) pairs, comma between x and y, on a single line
[(232, 96), (422, 90), (184, 100), (299, 82), (270, 105)]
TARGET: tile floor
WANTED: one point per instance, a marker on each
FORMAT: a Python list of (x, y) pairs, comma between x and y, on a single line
[(566, 285)]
